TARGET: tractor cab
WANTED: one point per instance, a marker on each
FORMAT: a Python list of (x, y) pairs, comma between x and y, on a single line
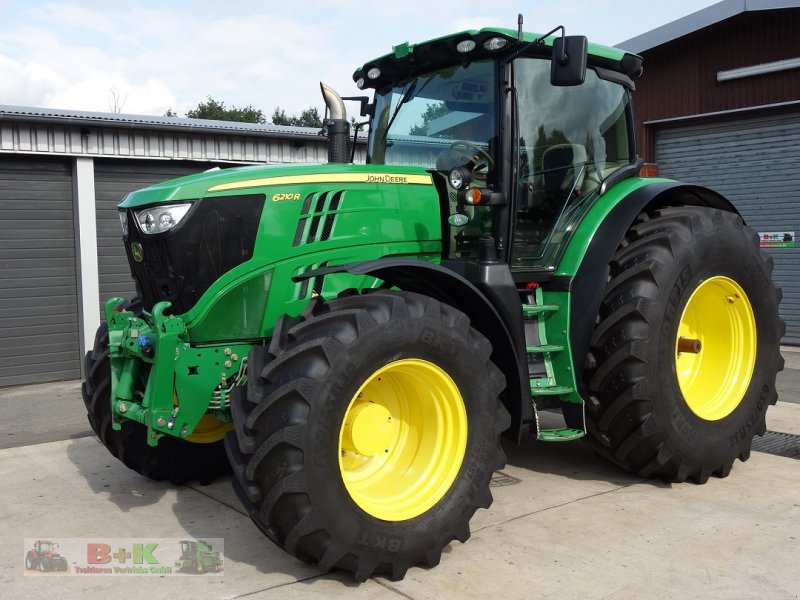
[(43, 547), (521, 136)]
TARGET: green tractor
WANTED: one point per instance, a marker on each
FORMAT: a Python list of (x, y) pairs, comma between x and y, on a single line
[(353, 341), (197, 556)]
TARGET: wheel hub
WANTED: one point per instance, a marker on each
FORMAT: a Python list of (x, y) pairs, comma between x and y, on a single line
[(369, 430)]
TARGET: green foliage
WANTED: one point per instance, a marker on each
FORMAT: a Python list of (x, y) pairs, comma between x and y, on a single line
[(432, 112), (216, 110), (308, 118)]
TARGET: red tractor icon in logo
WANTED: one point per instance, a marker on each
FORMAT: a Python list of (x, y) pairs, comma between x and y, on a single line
[(45, 557)]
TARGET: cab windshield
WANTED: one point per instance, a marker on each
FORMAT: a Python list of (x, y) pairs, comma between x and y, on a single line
[(419, 120)]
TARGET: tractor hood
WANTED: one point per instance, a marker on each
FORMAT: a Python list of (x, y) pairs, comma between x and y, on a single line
[(272, 181)]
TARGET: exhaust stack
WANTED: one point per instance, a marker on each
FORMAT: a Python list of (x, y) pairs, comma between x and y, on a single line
[(337, 126)]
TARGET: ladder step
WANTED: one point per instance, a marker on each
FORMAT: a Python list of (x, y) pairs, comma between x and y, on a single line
[(553, 390), (560, 435), (543, 349), (531, 310)]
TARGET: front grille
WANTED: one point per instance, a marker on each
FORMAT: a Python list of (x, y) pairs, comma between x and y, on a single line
[(216, 235)]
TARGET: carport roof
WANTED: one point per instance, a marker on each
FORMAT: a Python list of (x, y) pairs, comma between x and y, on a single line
[(698, 20)]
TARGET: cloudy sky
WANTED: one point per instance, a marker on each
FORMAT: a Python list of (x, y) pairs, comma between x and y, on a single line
[(153, 55)]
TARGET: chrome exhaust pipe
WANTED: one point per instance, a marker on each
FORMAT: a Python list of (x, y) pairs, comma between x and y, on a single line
[(336, 125)]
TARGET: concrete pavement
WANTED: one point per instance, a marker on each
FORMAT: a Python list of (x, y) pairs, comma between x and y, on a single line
[(564, 524)]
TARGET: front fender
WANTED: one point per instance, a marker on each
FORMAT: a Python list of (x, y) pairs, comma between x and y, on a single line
[(451, 288)]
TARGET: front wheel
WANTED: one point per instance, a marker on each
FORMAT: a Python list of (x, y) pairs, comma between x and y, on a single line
[(685, 353), (368, 433), (30, 561)]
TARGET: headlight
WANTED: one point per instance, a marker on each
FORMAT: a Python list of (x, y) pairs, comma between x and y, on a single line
[(158, 219), (458, 177), (123, 221)]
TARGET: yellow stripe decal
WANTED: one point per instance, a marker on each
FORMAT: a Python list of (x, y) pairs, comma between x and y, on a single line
[(398, 178)]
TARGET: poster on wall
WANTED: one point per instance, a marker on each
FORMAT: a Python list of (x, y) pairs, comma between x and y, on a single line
[(777, 239)]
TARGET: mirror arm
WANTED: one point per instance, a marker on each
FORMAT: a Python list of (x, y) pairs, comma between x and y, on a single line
[(539, 42)]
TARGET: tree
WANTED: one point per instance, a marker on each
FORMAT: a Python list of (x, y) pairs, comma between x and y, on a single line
[(116, 100), (308, 118), (432, 112), (216, 110)]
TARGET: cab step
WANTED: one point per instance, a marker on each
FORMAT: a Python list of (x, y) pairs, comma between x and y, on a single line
[(540, 389), (564, 434), (546, 348), (533, 310)]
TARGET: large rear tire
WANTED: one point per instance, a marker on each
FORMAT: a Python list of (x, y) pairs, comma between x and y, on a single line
[(368, 432), (683, 359), (173, 459)]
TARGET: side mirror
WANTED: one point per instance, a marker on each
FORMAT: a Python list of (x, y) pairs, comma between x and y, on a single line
[(568, 63)]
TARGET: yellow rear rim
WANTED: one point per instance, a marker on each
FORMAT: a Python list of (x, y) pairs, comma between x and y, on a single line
[(714, 376), (403, 440), (209, 430)]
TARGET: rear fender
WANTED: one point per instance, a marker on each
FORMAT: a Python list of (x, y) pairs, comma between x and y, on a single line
[(587, 285)]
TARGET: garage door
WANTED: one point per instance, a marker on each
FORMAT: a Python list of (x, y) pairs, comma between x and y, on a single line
[(38, 295), (754, 163), (114, 179)]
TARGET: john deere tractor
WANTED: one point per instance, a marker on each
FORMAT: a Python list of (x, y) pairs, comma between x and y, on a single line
[(198, 557), (353, 340)]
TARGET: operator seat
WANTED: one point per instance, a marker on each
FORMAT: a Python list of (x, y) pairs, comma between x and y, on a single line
[(563, 169)]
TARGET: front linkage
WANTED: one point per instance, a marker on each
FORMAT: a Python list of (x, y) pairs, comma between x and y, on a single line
[(155, 354)]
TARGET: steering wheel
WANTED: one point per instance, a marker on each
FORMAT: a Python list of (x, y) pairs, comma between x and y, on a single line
[(460, 153)]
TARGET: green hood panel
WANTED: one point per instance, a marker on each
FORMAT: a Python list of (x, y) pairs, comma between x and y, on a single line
[(267, 178)]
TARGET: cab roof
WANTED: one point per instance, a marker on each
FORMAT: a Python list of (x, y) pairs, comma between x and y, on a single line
[(409, 60)]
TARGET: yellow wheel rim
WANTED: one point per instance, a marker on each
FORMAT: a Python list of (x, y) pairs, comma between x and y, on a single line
[(715, 350), (209, 430), (403, 440)]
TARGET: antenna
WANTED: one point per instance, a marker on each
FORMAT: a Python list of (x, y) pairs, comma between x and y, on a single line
[(519, 27)]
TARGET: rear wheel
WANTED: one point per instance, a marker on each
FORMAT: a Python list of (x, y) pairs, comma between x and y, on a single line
[(173, 459), (685, 353), (368, 432)]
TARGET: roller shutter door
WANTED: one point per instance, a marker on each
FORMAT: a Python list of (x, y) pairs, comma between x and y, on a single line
[(39, 338), (754, 163), (113, 180)]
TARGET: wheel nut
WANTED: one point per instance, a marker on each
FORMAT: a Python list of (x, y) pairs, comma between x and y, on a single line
[(730, 299)]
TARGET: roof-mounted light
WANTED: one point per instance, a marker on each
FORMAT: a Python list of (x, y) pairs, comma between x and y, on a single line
[(495, 43), (374, 73), (360, 83), (465, 46)]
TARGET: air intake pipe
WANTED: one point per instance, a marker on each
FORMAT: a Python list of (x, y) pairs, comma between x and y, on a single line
[(337, 126)]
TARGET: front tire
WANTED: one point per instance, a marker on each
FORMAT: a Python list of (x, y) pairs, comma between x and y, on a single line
[(368, 432), (173, 459), (683, 359)]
